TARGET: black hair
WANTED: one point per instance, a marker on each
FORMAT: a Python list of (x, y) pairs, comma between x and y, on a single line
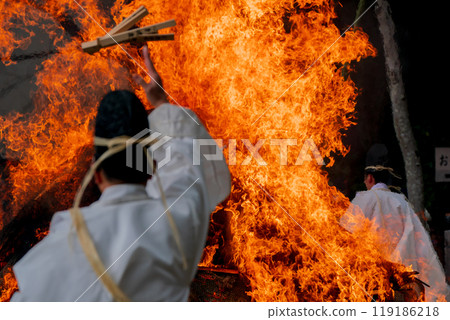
[(382, 176), (120, 113), (378, 155)]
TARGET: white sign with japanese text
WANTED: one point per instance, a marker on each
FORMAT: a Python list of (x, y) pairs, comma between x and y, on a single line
[(442, 164)]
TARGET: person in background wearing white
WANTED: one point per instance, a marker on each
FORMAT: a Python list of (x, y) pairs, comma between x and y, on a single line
[(404, 239)]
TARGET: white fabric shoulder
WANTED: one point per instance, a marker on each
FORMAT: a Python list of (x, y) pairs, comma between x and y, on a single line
[(178, 123)]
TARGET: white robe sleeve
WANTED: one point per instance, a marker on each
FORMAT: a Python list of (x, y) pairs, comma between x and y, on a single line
[(356, 213), (183, 124)]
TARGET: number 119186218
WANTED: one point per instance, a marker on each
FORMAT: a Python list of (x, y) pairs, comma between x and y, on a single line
[(397, 311)]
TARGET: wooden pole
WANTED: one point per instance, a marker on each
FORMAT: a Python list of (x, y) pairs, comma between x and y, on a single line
[(130, 21), (94, 46), (143, 34)]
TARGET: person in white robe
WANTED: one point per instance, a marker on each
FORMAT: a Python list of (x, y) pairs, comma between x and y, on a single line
[(129, 225), (401, 235)]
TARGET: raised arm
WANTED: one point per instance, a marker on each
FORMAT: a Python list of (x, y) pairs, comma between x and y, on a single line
[(181, 132), (154, 90)]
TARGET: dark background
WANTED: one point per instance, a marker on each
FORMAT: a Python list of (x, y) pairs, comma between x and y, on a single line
[(421, 38)]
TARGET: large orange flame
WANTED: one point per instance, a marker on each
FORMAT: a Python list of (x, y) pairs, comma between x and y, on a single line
[(251, 69)]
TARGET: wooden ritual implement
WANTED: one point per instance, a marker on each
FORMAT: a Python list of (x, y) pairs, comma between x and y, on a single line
[(122, 33)]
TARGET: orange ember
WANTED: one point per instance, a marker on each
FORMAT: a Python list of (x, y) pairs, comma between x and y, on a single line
[(252, 70)]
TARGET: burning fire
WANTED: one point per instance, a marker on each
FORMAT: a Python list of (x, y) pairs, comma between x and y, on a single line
[(253, 69), (9, 286)]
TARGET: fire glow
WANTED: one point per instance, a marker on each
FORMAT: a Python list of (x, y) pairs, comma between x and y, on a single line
[(232, 63)]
